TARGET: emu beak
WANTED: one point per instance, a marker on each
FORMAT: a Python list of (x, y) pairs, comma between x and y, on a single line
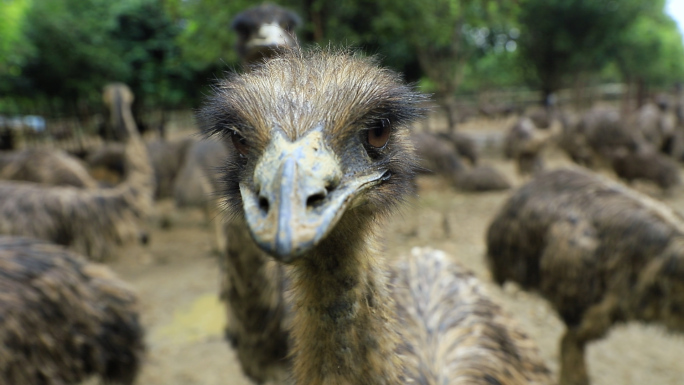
[(298, 195)]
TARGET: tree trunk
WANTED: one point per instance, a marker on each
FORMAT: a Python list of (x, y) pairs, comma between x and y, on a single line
[(449, 105), (161, 128), (642, 93), (314, 9), (626, 106)]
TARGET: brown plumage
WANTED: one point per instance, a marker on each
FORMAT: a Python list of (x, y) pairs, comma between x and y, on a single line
[(198, 185), (465, 145), (440, 156), (253, 287), (630, 148), (647, 164), (600, 252), (482, 178), (167, 159), (118, 100), (438, 294), (437, 155), (524, 143), (593, 139), (322, 155), (45, 165), (541, 117), (655, 125), (64, 319), (91, 222), (106, 163), (198, 180), (263, 30)]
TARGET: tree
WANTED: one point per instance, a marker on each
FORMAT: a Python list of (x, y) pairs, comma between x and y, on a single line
[(145, 35), (14, 47), (449, 35), (206, 41), (650, 52), (74, 53), (561, 38)]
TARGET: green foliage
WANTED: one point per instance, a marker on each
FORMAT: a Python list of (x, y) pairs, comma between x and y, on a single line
[(14, 46), (651, 51), (560, 38), (145, 38), (206, 40), (74, 54), (497, 68), (59, 53)]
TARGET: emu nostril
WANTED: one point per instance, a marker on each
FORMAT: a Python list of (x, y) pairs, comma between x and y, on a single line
[(263, 204), (315, 199)]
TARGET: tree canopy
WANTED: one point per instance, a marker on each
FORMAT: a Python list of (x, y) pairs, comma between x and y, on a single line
[(61, 52)]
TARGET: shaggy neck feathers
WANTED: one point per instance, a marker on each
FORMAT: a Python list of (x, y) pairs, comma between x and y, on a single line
[(344, 330)]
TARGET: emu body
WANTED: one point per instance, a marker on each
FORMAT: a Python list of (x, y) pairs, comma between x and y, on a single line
[(90, 221), (440, 154), (48, 166), (252, 288), (598, 251), (64, 319), (322, 156), (631, 147)]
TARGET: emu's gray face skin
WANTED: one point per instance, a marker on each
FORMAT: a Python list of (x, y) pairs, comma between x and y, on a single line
[(299, 193)]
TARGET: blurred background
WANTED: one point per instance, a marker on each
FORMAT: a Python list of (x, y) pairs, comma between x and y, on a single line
[(488, 64), (475, 56)]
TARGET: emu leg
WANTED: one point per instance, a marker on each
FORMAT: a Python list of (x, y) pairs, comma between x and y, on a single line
[(595, 324), (573, 368)]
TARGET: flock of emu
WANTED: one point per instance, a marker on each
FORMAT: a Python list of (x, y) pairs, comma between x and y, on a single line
[(316, 150)]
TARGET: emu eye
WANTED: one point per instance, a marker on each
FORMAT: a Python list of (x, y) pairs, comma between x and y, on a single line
[(239, 143), (379, 133)]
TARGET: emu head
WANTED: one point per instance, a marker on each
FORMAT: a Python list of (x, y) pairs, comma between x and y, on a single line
[(118, 98), (319, 136), (264, 30)]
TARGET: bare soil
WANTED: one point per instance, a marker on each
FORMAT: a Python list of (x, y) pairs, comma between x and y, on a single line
[(176, 276)]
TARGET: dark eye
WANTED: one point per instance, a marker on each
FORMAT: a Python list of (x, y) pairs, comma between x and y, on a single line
[(379, 133), (239, 143)]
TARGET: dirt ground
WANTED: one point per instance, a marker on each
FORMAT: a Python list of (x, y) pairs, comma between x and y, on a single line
[(176, 276)]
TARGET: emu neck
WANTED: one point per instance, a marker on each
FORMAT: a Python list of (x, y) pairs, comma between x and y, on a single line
[(344, 331), (137, 188)]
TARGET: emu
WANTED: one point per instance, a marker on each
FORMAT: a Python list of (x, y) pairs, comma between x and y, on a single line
[(525, 143), (64, 319), (443, 158), (45, 165), (252, 288), (263, 31), (198, 185), (322, 156), (90, 221), (602, 137), (598, 251)]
